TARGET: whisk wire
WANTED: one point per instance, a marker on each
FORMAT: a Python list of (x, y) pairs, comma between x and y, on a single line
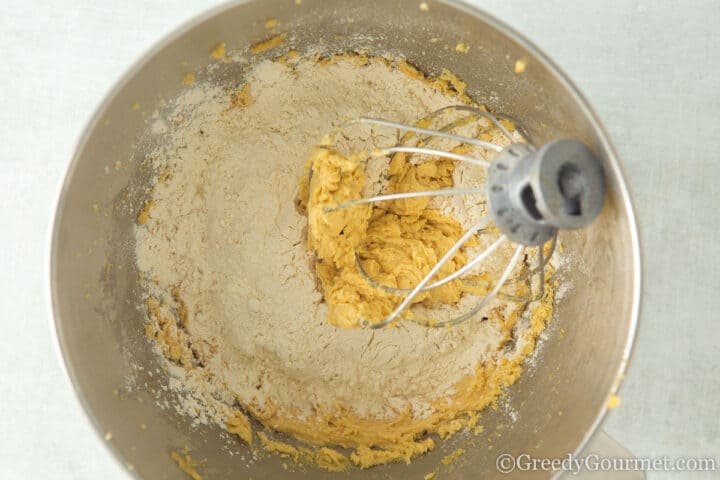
[(487, 299), (542, 263), (462, 271), (404, 195), (435, 153), (431, 132), (418, 288), (481, 113), (528, 276)]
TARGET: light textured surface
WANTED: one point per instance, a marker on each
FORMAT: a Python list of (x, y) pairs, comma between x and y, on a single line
[(650, 69)]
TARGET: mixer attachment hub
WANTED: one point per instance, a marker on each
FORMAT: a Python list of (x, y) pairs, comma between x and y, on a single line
[(534, 193)]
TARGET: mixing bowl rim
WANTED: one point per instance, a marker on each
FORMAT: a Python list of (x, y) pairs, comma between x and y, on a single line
[(619, 175), (186, 26)]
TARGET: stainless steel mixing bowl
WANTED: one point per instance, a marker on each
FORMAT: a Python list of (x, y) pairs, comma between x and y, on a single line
[(559, 402)]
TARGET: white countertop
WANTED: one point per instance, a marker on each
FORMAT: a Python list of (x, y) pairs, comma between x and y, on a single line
[(650, 68)]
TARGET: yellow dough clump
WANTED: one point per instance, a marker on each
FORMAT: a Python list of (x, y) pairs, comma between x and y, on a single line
[(397, 243)]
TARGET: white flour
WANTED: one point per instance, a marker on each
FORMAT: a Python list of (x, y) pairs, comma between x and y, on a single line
[(224, 231)]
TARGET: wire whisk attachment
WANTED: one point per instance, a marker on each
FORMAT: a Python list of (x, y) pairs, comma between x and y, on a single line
[(530, 193)]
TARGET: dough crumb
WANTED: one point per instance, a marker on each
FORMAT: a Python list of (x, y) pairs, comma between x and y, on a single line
[(276, 446), (613, 402), (520, 65), (424, 6), (239, 424), (271, 23), (144, 213), (187, 464), (268, 44), (241, 97), (462, 47), (448, 459), (188, 79), (332, 460), (218, 53)]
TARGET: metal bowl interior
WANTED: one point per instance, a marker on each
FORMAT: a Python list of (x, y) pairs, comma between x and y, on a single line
[(557, 403)]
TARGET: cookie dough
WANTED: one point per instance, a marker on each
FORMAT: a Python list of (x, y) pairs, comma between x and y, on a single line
[(396, 243)]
